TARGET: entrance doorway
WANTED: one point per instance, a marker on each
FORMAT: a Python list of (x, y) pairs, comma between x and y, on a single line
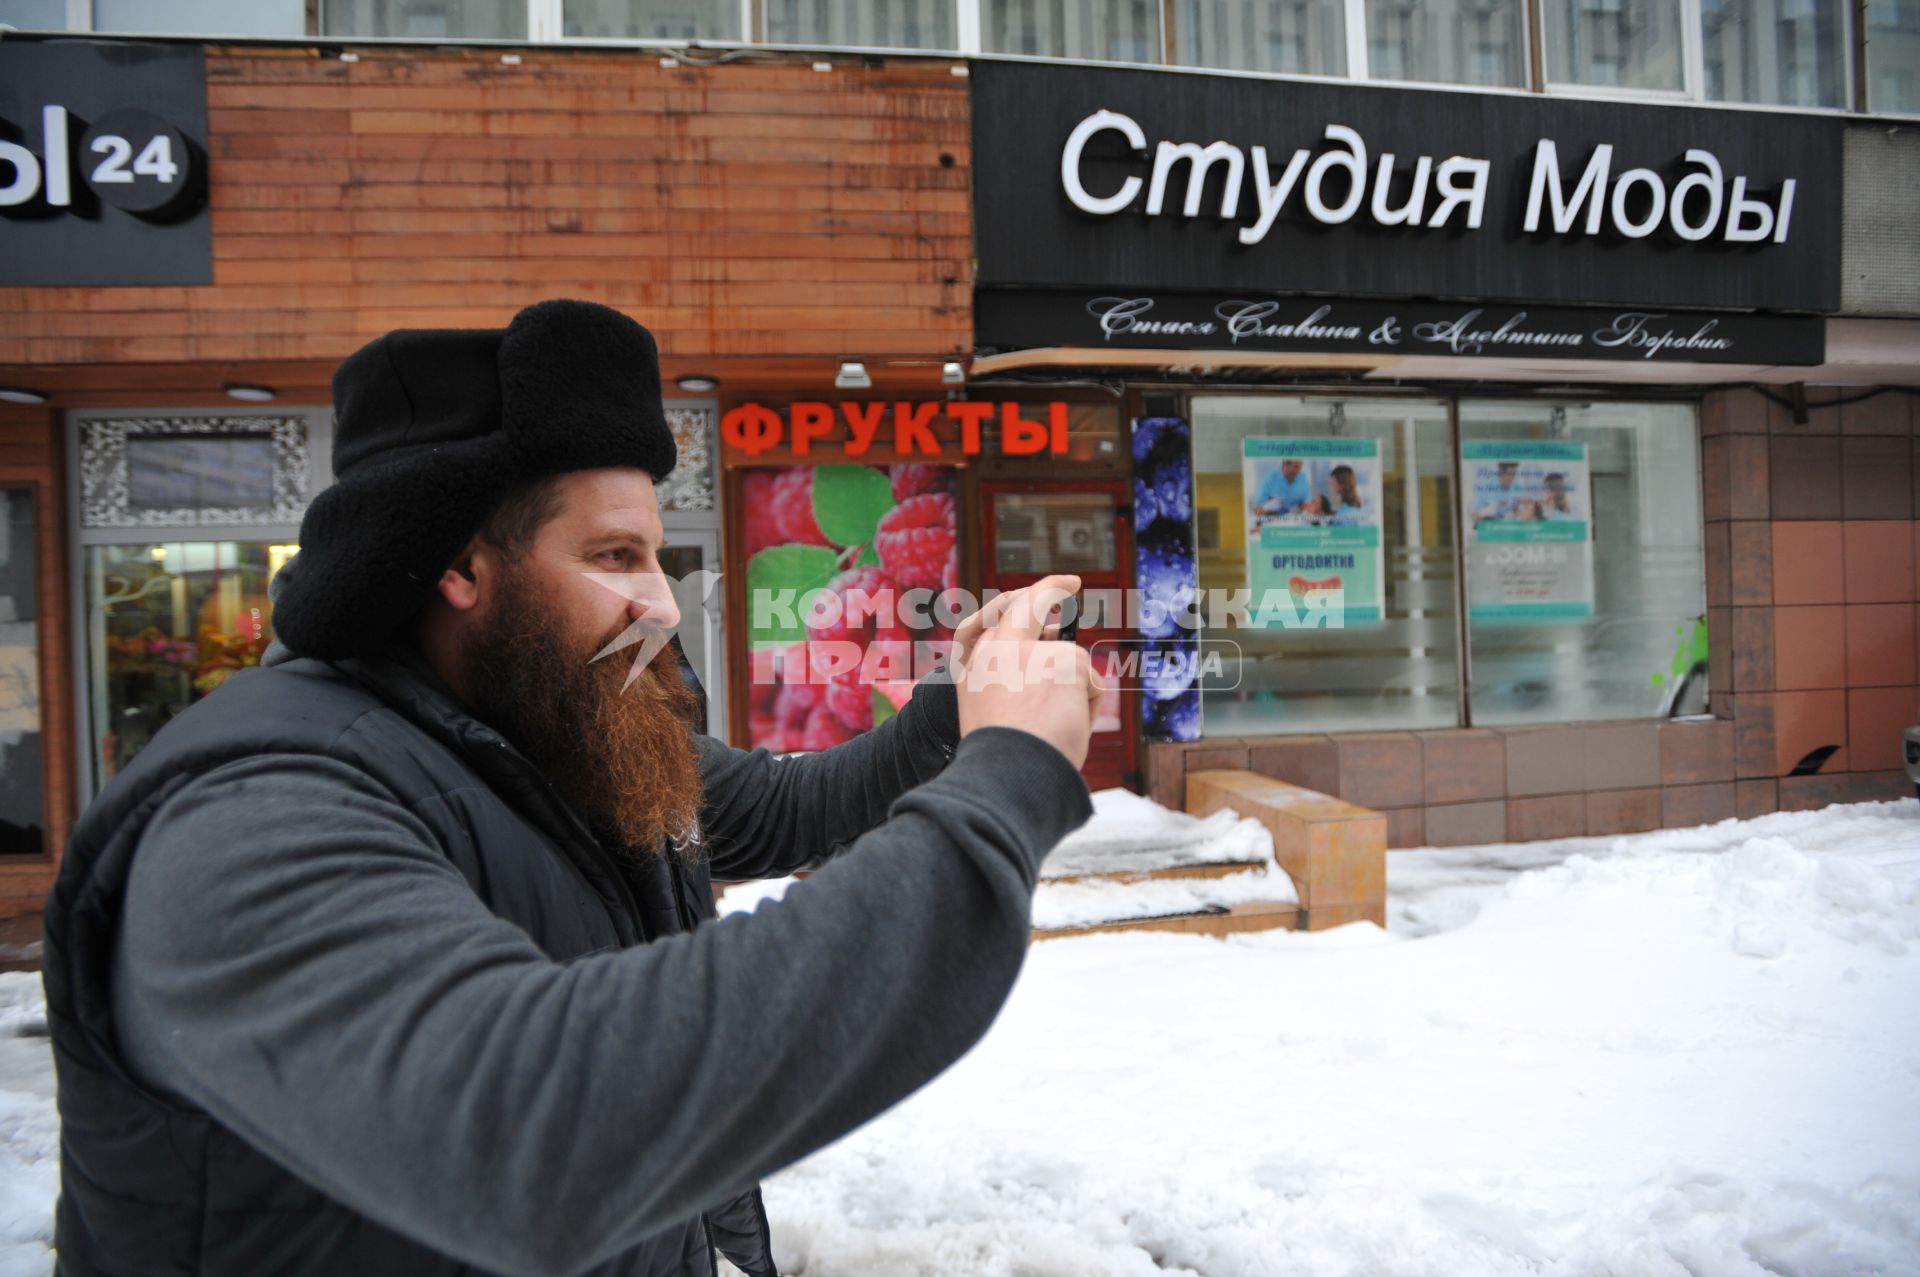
[(1034, 528)]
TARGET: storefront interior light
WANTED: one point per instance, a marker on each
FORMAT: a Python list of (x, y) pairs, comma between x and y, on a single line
[(852, 376), (697, 383), (159, 553), (20, 394), (250, 393), (952, 374)]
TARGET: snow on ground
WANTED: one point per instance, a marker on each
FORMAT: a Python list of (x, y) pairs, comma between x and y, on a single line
[(1691, 1052)]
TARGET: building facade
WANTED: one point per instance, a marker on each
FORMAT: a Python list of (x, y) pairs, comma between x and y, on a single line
[(1596, 573)]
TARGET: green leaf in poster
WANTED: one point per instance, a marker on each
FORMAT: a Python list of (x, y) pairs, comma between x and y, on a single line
[(869, 557), (848, 502), (882, 707), (800, 568)]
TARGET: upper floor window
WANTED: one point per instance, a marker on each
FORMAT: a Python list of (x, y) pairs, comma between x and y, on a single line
[(650, 19), (871, 24), (1615, 44), (1294, 37), (426, 19), (1893, 56), (1100, 30), (1447, 41), (1786, 52)]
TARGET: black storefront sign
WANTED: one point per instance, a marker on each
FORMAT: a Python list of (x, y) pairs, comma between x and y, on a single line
[(1096, 178), (103, 164), (1118, 319)]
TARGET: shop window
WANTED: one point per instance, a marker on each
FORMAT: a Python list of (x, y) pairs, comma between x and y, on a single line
[(1098, 30), (426, 19), (871, 24), (651, 19), (201, 17), (1309, 496), (22, 736), (1778, 51), (1625, 44), (1296, 37), (1447, 41), (1893, 56), (168, 622), (1585, 573)]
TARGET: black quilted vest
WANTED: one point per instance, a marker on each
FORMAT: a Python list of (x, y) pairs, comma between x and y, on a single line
[(149, 1187)]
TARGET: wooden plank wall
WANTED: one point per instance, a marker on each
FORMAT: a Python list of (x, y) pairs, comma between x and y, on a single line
[(758, 210), (30, 453)]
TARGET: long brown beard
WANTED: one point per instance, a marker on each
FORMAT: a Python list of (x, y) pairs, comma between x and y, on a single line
[(625, 760)]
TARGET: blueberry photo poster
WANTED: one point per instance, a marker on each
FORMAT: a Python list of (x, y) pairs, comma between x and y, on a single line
[(1167, 575), (1313, 529)]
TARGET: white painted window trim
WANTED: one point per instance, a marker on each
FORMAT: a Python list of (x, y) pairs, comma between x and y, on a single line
[(1356, 40)]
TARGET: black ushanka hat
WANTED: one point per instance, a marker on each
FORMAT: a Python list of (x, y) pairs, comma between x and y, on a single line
[(432, 429)]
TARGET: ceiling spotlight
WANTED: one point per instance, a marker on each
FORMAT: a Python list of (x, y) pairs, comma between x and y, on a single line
[(698, 384), (852, 376), (952, 374), (250, 393), (20, 394)]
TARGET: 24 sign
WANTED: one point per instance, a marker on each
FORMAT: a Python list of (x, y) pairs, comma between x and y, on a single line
[(131, 159)]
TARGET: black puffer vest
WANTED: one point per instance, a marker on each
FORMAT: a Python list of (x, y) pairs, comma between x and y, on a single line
[(149, 1187)]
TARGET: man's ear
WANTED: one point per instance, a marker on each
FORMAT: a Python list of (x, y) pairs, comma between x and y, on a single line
[(469, 576)]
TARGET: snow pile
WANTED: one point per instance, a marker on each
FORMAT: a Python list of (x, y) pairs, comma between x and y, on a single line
[(1131, 833), (1690, 1052), (1076, 904), (29, 1131)]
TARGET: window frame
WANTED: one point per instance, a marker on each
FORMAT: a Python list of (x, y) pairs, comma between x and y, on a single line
[(1453, 397)]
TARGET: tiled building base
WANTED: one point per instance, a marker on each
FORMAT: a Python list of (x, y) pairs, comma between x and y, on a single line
[(1520, 784)]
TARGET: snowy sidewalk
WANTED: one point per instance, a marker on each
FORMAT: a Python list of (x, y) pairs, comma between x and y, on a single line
[(1689, 1052)]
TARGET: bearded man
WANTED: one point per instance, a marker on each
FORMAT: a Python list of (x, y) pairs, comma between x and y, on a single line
[(388, 958)]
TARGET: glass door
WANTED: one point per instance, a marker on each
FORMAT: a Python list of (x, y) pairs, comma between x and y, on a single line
[(691, 559), (1034, 529)]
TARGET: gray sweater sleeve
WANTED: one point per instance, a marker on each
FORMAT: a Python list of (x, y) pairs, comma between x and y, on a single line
[(765, 816), (300, 961)]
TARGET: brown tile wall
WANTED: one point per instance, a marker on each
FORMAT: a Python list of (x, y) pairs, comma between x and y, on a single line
[(1813, 594)]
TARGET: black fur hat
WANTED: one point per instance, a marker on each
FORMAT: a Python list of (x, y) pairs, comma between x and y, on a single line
[(432, 429)]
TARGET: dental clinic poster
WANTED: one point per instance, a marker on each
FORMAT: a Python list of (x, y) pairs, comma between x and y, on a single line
[(1313, 524), (1529, 530)]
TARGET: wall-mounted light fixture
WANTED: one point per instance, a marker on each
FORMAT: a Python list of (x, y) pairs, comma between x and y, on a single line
[(20, 394), (697, 383), (248, 393), (952, 373), (852, 376)]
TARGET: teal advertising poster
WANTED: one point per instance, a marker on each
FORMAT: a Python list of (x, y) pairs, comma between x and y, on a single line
[(1529, 530), (1313, 530)]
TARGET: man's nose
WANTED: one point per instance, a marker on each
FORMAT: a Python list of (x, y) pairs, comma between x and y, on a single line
[(653, 601)]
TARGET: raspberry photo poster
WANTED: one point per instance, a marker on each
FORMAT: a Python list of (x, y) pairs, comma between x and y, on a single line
[(831, 551), (1313, 529)]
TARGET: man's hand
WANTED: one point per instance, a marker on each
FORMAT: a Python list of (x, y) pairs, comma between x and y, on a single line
[(1010, 675)]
